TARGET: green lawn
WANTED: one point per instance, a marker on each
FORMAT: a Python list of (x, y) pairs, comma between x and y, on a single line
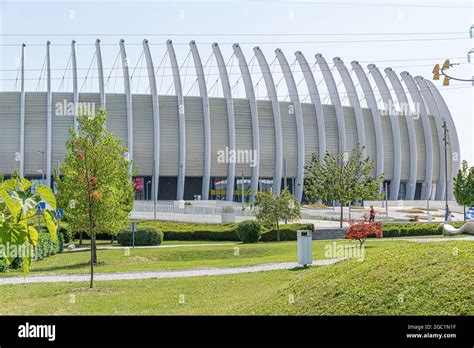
[(145, 259), (395, 278)]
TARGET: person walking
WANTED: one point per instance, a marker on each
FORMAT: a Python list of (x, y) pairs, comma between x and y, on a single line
[(372, 214), (447, 213)]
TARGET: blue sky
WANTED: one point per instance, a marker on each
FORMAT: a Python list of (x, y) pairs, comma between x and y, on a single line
[(249, 23)]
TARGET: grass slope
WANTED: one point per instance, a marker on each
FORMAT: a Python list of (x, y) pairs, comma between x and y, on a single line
[(395, 278), (405, 279)]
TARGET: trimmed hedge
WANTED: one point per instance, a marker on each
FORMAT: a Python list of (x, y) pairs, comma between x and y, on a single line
[(183, 231), (415, 229), (143, 236), (249, 231), (287, 232)]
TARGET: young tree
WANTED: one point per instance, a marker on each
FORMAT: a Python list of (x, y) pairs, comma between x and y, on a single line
[(95, 189), (343, 177), (463, 186), (270, 209)]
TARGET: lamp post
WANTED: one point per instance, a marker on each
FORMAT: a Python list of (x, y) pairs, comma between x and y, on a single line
[(242, 190), (42, 165), (445, 140), (147, 196)]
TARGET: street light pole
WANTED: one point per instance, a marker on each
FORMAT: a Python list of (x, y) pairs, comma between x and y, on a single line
[(154, 190), (243, 199), (445, 140), (42, 164)]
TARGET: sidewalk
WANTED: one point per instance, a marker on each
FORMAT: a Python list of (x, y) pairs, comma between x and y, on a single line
[(161, 274)]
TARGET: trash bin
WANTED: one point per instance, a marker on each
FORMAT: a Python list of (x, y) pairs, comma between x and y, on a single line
[(305, 247)]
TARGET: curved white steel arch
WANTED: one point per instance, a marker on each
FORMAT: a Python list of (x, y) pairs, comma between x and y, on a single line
[(433, 110), (405, 105), (49, 115), (272, 95), (128, 100), (298, 112), (353, 100), (250, 94), (397, 156), (22, 113), (418, 100), (181, 119), (315, 100), (230, 117), (372, 104), (335, 100), (201, 78), (75, 91), (453, 135), (156, 118), (100, 73)]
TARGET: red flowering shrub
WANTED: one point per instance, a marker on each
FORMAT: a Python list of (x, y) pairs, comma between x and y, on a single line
[(362, 230)]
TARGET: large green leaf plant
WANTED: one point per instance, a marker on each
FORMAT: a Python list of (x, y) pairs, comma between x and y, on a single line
[(18, 204)]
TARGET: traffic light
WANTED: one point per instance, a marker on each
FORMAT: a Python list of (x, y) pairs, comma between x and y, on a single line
[(436, 72), (446, 64), (446, 81)]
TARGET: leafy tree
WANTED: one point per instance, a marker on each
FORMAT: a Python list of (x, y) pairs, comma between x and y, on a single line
[(270, 209), (17, 206), (95, 189), (463, 186), (343, 177)]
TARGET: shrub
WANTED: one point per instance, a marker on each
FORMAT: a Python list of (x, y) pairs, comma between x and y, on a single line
[(66, 233), (229, 235), (361, 231), (249, 231), (287, 232), (46, 246), (143, 236)]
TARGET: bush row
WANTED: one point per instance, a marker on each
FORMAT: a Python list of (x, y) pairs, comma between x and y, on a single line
[(45, 247), (143, 236), (415, 229)]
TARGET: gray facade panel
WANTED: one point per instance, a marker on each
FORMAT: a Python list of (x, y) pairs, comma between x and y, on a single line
[(117, 115), (332, 135), (290, 142), (142, 134), (436, 154), (420, 147), (194, 136), (370, 145), (310, 131), (267, 139), (9, 131), (405, 148), (35, 132), (351, 127), (243, 137), (63, 120), (219, 136), (388, 146), (169, 136)]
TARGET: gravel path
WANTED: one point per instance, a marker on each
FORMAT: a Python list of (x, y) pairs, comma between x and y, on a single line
[(161, 274)]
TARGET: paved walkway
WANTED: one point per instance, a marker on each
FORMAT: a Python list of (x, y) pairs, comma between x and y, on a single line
[(161, 274)]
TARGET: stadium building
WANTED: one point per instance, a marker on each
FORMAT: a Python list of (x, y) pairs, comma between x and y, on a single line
[(188, 147)]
